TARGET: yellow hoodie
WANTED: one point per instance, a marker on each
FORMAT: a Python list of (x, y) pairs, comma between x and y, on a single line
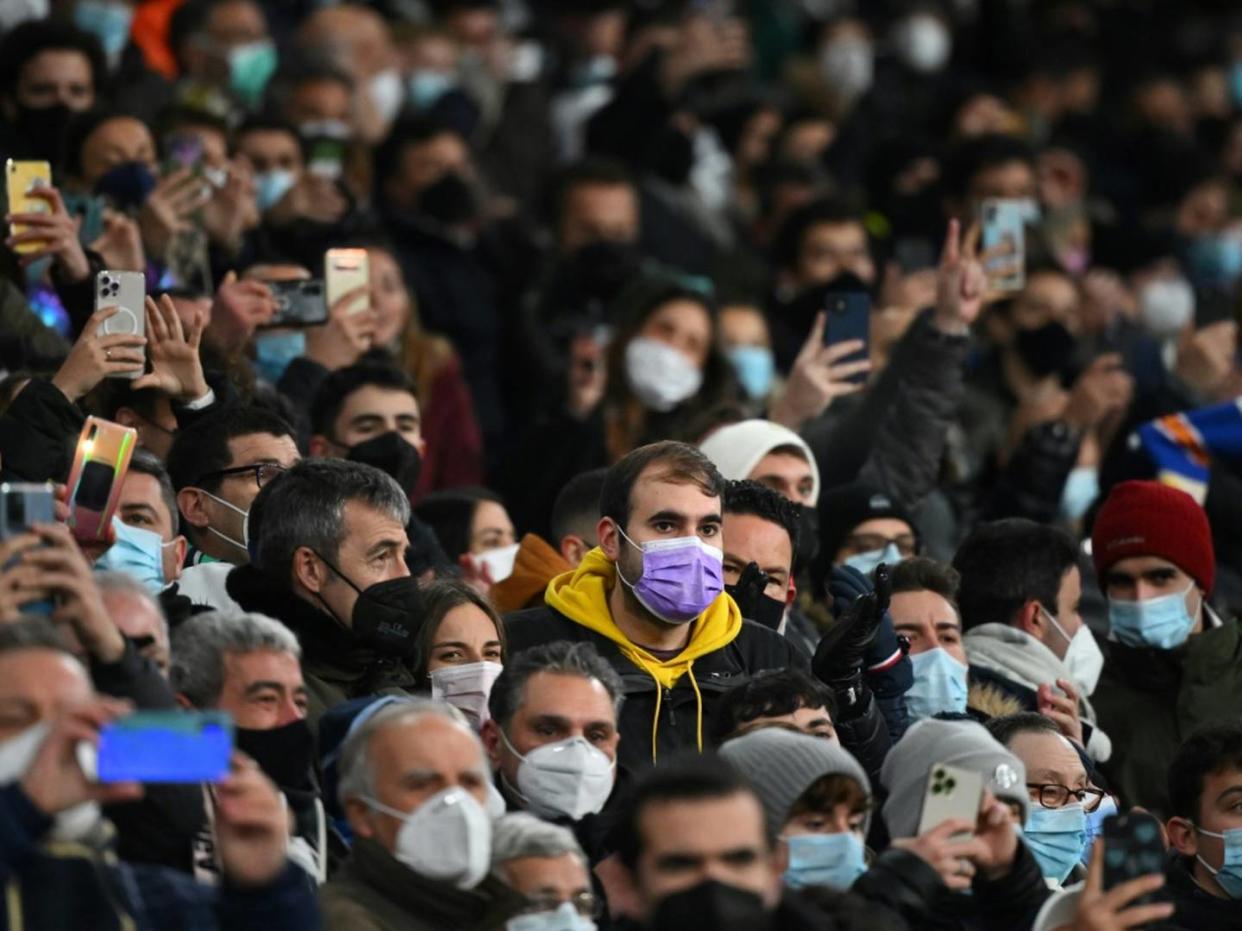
[(582, 596)]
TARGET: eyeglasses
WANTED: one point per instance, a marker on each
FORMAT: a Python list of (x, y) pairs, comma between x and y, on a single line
[(1053, 795), (263, 473), (584, 903), (906, 544)]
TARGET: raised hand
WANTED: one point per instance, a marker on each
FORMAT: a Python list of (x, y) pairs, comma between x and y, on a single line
[(859, 607), (347, 334), (56, 235), (946, 851), (168, 208), (818, 377), (19, 585), (961, 280), (94, 357), (238, 309), (252, 825), (120, 243), (1063, 709), (1112, 910), (176, 368), (1103, 389)]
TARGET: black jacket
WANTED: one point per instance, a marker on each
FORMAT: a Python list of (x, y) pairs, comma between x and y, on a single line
[(336, 667), (1196, 910), (679, 727)]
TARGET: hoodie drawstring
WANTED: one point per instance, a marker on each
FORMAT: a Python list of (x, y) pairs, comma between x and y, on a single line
[(699, 696), (655, 720)]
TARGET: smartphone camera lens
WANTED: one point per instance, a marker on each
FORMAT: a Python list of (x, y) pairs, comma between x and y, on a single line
[(949, 785)]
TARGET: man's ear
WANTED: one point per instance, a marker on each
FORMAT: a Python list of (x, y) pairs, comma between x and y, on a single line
[(191, 505), (609, 536), (490, 735), (792, 595), (573, 548), (126, 417), (1182, 836), (308, 570), (179, 544), (1031, 620), (358, 813), (317, 446)]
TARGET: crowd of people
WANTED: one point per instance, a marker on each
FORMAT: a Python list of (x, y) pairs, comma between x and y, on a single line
[(707, 514)]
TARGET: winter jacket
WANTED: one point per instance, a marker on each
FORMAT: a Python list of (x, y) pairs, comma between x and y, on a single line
[(1151, 700), (60, 885), (536, 564), (669, 705), (1018, 664), (37, 434), (1196, 910), (335, 666), (375, 892)]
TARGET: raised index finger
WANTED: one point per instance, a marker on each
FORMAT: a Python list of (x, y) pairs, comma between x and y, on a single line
[(951, 254)]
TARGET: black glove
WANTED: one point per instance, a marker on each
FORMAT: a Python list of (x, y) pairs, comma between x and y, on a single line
[(859, 608), (748, 589)]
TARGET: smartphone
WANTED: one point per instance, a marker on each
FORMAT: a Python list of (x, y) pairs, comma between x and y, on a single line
[(161, 746), (344, 270), (1004, 224), (1133, 847), (22, 505), (952, 792), (20, 179), (298, 303), (183, 150), (847, 316), (126, 291), (99, 467)]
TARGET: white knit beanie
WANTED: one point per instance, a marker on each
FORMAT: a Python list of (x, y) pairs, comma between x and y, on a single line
[(737, 448)]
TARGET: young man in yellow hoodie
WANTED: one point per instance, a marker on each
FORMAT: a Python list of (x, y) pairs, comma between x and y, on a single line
[(651, 598)]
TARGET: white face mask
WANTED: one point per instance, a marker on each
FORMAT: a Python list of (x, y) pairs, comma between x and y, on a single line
[(1166, 307), (567, 779), (386, 94), (467, 688), (446, 839), (16, 755), (848, 65), (1084, 660), (660, 376), (499, 561), (923, 43)]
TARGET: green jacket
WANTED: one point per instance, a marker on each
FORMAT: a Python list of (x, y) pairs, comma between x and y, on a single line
[(1150, 700), (375, 892)]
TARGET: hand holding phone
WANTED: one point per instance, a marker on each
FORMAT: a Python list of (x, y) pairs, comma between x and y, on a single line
[(23, 506), (161, 747), (299, 303), (99, 466), (345, 272), (1133, 847), (21, 180), (1126, 904), (952, 794), (126, 293), (1004, 242)]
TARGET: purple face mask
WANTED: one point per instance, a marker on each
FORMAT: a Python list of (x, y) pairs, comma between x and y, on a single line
[(680, 577)]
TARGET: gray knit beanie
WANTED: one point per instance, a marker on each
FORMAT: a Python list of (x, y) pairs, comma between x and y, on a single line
[(781, 764), (958, 743)]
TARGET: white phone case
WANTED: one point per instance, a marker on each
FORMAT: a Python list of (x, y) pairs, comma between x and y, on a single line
[(127, 291)]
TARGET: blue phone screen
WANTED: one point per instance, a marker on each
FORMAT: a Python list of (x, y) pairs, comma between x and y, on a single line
[(166, 746)]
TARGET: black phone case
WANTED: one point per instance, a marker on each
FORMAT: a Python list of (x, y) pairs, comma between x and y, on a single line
[(1133, 847)]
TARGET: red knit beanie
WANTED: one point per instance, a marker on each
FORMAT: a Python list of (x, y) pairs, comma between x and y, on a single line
[(1152, 519)]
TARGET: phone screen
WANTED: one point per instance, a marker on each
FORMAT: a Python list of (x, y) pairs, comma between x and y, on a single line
[(166, 746)]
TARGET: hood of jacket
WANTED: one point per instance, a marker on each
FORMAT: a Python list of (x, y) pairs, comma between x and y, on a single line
[(537, 563), (582, 596), (1019, 657)]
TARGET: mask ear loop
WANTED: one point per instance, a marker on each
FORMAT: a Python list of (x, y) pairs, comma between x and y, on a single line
[(341, 575)]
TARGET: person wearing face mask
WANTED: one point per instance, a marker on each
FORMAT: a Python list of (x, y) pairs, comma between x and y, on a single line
[(249, 666), (422, 850), (327, 544), (862, 526), (138, 615), (474, 528), (544, 863), (461, 647), (922, 42), (148, 547), (1029, 648), (1173, 663), (552, 739), (651, 598), (51, 71), (924, 611), (225, 44), (1205, 828), (57, 851)]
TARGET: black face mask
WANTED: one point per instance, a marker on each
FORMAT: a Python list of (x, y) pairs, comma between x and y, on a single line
[(449, 202), (1045, 350), (752, 602), (387, 615), (127, 185), (42, 130), (284, 753), (671, 155), (391, 454), (711, 904), (597, 272)]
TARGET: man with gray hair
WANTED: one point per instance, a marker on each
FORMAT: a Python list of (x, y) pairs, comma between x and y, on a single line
[(137, 614), (552, 736), (248, 665), (544, 863), (328, 543), (414, 783)]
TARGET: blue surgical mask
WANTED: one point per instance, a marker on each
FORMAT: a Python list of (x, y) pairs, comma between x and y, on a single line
[(426, 87), (833, 860), (108, 21), (1235, 82), (867, 562), (755, 369), (564, 918), (1056, 837), (138, 553), (1229, 873), (1163, 622), (1216, 258), (274, 351), (1082, 487), (1095, 824), (939, 685), (271, 186), (250, 67)]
